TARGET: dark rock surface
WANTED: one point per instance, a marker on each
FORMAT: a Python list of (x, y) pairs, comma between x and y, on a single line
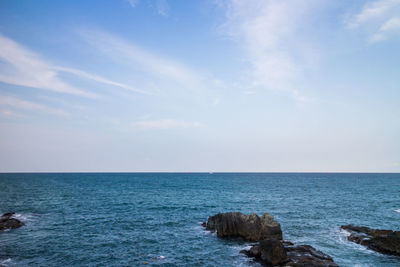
[(273, 252), (383, 241), (270, 249), (7, 222), (249, 227)]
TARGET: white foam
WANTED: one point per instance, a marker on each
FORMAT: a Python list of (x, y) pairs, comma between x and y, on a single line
[(22, 217), (398, 210), (343, 240), (345, 232), (6, 262), (161, 257)]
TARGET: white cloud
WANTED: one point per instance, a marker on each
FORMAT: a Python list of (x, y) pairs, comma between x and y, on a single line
[(25, 68), (8, 113), (133, 3), (380, 19), (28, 105), (20, 66), (158, 67), (270, 33), (99, 79), (165, 124), (162, 7)]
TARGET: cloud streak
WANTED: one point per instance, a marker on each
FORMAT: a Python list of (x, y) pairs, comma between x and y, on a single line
[(380, 19), (22, 67), (166, 124), (99, 79), (28, 105), (158, 67), (269, 33)]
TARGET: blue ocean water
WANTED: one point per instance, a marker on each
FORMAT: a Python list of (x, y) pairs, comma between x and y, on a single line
[(129, 219)]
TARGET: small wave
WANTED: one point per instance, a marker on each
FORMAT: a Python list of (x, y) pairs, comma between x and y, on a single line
[(22, 217), (5, 262), (343, 240), (345, 232), (398, 210), (238, 248), (202, 230)]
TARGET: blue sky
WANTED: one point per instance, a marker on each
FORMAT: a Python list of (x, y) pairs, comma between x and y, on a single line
[(158, 85)]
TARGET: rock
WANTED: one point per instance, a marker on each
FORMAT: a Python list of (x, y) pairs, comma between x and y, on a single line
[(383, 241), (305, 255), (7, 222), (269, 251), (273, 252), (249, 227), (204, 224)]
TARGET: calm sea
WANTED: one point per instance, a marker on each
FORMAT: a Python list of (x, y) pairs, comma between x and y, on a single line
[(128, 219)]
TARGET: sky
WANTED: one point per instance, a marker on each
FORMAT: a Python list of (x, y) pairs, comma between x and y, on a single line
[(189, 86)]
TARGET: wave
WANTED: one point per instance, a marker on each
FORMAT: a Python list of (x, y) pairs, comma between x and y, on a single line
[(22, 217), (6, 262), (398, 210)]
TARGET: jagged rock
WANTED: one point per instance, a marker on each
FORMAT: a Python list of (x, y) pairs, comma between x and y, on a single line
[(249, 227), (273, 252), (307, 256), (383, 241), (7, 222), (269, 251)]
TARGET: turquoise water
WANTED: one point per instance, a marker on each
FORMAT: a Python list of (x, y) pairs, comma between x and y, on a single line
[(111, 219)]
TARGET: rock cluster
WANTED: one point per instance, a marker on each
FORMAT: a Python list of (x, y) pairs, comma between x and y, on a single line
[(272, 252), (270, 249), (383, 241), (8, 222), (249, 227)]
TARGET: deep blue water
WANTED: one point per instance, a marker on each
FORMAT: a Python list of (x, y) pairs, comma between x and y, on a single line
[(126, 219)]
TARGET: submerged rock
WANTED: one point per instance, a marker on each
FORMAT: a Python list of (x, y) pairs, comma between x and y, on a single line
[(8, 222), (249, 227), (273, 252), (383, 241)]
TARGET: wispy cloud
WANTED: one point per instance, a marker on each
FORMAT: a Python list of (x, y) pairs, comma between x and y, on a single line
[(21, 66), (166, 124), (380, 19), (28, 105), (162, 7), (99, 79), (270, 33), (158, 67), (133, 3), (8, 113)]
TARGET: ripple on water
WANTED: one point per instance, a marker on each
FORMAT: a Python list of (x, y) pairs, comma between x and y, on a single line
[(128, 219)]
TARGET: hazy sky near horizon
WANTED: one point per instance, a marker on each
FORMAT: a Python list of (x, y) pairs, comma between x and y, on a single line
[(215, 85)]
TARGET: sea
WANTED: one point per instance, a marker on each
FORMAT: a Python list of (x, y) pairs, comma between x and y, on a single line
[(154, 219)]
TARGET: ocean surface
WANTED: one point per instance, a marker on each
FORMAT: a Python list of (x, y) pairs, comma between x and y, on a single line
[(130, 219)]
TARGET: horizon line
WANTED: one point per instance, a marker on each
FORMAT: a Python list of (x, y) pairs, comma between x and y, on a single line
[(199, 172)]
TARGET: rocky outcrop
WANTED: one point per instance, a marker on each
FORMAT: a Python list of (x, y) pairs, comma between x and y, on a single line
[(249, 227), (383, 241), (273, 252), (8, 222), (270, 249)]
